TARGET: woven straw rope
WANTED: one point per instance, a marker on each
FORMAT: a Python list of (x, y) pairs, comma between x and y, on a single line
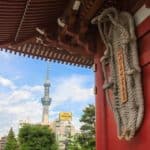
[(117, 32)]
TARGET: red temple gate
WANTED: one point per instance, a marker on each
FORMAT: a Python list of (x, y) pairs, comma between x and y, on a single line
[(43, 29)]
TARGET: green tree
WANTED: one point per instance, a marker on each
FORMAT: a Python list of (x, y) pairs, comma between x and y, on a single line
[(75, 142), (88, 127), (37, 137), (11, 143), (86, 139)]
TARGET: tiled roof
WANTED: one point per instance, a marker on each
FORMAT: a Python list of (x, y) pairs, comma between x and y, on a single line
[(18, 22)]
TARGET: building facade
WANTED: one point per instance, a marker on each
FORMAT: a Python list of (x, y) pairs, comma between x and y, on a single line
[(63, 130), (3, 142)]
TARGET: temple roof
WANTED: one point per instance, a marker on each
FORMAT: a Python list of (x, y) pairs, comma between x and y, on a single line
[(57, 30)]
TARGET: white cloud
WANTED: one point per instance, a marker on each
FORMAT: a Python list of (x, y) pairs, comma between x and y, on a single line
[(5, 56), (21, 110), (37, 88), (19, 104), (76, 122), (23, 102), (19, 95), (14, 114), (6, 83), (17, 77), (73, 89)]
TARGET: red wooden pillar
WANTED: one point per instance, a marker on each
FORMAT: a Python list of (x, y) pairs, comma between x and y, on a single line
[(100, 107)]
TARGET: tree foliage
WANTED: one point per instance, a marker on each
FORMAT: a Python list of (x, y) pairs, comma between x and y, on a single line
[(11, 143), (77, 142), (86, 139), (36, 137), (88, 127), (74, 143)]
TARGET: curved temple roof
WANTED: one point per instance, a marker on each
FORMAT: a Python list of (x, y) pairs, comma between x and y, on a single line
[(18, 22), (30, 27)]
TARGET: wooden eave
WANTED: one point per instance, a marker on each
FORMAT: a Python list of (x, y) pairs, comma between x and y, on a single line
[(20, 18)]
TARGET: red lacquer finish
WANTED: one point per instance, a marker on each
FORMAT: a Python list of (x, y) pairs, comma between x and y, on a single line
[(144, 47), (100, 109), (143, 28)]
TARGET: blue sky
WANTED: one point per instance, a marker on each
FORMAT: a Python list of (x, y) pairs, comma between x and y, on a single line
[(21, 88)]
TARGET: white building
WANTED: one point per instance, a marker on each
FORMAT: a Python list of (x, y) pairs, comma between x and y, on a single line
[(63, 131), (3, 142)]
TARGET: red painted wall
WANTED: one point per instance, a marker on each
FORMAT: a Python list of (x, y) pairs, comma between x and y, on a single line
[(100, 109), (106, 134)]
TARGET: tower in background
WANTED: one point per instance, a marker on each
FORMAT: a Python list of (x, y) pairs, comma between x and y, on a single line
[(46, 100)]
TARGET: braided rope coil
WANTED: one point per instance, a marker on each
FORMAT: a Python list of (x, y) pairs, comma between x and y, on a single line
[(124, 80)]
